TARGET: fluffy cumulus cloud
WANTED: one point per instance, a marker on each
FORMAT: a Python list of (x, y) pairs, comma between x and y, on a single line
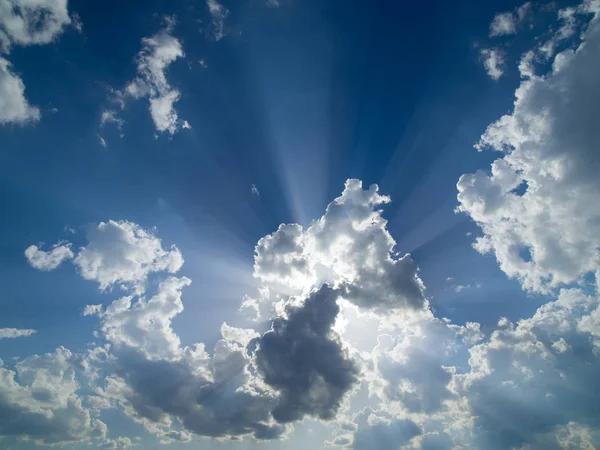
[(39, 401), (29, 22), (12, 333), (350, 248), (538, 207), (538, 376), (123, 253), (48, 260), (25, 22)]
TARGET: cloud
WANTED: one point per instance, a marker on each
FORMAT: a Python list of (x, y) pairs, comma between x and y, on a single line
[(25, 22), (12, 333), (503, 24), (122, 253), (218, 13), (254, 190), (349, 247), (535, 377), (14, 107), (506, 23), (33, 22), (42, 260), (305, 361), (379, 430), (493, 61), (39, 401), (101, 141), (538, 207), (153, 60), (109, 116)]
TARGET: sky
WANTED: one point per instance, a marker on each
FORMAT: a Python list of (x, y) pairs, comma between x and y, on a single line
[(285, 224)]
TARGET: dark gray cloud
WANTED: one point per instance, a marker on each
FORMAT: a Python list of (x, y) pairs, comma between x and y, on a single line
[(304, 360)]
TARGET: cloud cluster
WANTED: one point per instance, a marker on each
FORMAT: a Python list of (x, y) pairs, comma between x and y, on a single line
[(427, 383), (538, 206), (39, 401)]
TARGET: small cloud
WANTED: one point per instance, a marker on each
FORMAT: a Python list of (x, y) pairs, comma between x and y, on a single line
[(493, 61), (203, 63), (449, 278), (468, 233), (13, 333), (186, 125), (254, 190), (101, 141), (506, 23), (50, 260), (109, 116), (76, 22), (273, 3), (219, 13), (92, 310), (503, 24)]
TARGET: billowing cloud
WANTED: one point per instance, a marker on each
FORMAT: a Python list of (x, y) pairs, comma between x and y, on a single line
[(378, 430), (49, 260), (348, 247), (153, 60), (39, 401), (12, 333), (123, 253), (534, 378), (538, 207)]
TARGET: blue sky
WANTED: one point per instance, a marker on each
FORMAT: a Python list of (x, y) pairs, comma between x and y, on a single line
[(149, 145)]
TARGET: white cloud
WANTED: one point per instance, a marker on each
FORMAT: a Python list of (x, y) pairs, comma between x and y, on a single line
[(348, 247), (25, 22), (123, 253), (218, 13), (539, 206), (101, 141), (493, 61), (29, 22), (50, 260), (538, 376), (39, 402), (503, 24), (254, 190), (14, 107), (507, 23), (109, 116), (153, 60), (12, 333)]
